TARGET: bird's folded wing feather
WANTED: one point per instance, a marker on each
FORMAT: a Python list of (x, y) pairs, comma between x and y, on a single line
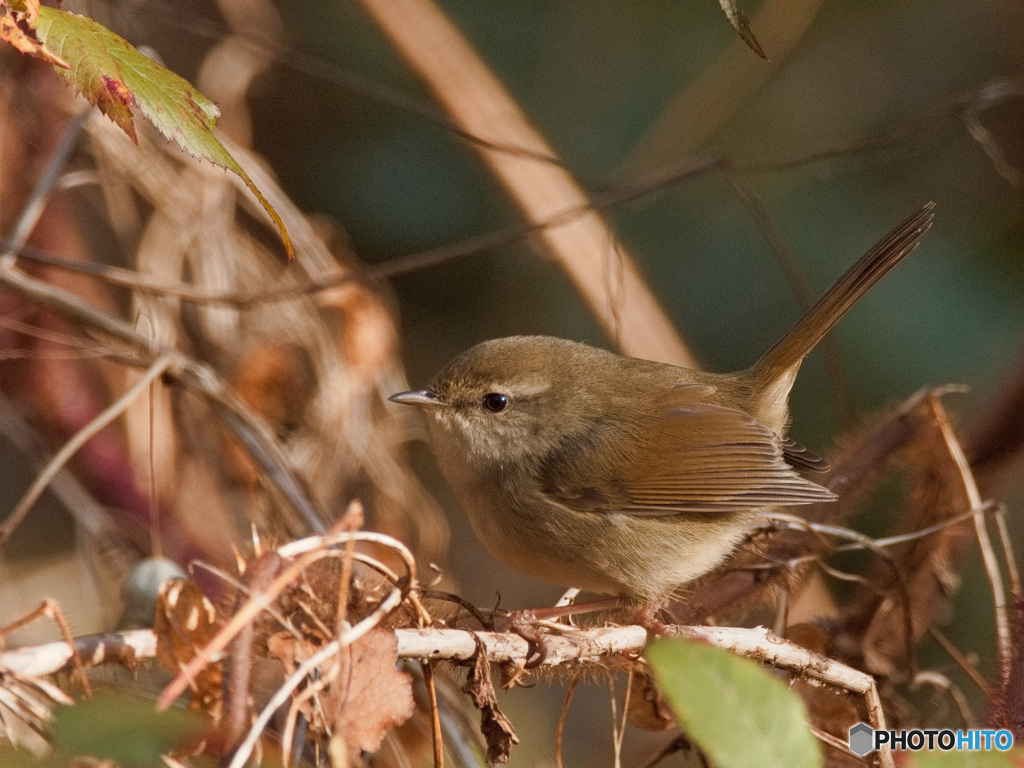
[(689, 457), (801, 457)]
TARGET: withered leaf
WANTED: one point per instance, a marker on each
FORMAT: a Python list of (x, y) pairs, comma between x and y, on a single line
[(647, 706), (185, 621), (370, 696), (495, 727)]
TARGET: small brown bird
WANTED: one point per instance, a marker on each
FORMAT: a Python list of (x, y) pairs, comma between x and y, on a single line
[(622, 476)]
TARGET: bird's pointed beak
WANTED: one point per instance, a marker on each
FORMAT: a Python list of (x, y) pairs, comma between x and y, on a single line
[(423, 398)]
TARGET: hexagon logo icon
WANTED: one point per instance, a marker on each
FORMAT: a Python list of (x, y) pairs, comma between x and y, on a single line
[(861, 739)]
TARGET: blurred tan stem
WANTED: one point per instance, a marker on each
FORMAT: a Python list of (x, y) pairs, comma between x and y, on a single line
[(599, 266)]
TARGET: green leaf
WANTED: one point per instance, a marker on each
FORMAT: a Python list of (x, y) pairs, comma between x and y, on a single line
[(735, 711), (123, 728), (114, 76)]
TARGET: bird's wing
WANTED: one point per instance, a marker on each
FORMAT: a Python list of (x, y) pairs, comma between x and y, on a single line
[(691, 456)]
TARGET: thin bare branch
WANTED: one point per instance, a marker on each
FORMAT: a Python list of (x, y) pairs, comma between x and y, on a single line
[(988, 555), (943, 683), (435, 716), (962, 661), (54, 465), (797, 279), (194, 376), (562, 717), (33, 207)]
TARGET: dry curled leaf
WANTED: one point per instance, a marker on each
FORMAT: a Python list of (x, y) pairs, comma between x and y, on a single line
[(289, 650), (495, 727)]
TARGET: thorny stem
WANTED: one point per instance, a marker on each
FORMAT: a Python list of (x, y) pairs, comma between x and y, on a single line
[(1008, 554), (584, 645)]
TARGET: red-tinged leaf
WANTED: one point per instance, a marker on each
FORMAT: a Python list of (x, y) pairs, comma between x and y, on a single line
[(114, 76)]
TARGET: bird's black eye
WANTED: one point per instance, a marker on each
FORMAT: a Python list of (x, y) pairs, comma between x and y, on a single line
[(495, 402)]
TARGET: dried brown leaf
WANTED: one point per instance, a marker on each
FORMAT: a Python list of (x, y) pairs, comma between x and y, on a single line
[(285, 647), (184, 622), (370, 696), (495, 727), (647, 706)]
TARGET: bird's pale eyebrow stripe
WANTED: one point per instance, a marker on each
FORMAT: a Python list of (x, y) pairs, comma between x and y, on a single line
[(524, 388)]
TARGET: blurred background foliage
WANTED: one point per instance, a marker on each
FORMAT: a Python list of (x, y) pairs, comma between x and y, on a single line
[(856, 120)]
